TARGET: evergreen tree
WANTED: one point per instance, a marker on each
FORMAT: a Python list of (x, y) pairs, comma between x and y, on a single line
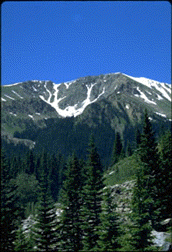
[(150, 172), (24, 239), (29, 163), (92, 197), (138, 138), (144, 203), (37, 170), (108, 230), (71, 204), (14, 167), (45, 228), (20, 242), (165, 178), (135, 233), (9, 211), (56, 174), (118, 151), (141, 228)]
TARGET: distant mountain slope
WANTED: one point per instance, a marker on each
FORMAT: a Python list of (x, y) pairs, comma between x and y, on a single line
[(115, 100)]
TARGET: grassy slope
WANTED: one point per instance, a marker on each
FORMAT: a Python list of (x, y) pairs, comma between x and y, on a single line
[(122, 171)]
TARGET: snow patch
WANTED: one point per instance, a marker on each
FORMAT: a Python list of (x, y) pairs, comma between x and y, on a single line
[(144, 97), (68, 83), (127, 106), (163, 115), (160, 237), (11, 113), (2, 99), (111, 172), (159, 97), (37, 113), (31, 116), (17, 94), (35, 89), (9, 85), (163, 88), (9, 97), (70, 110)]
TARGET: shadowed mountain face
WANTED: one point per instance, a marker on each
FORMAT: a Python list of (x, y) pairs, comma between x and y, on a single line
[(116, 101)]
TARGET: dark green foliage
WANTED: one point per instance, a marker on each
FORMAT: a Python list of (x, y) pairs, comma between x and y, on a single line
[(92, 195), (165, 179), (11, 149), (150, 171), (135, 232), (27, 189), (9, 213), (118, 151), (29, 163), (138, 138), (20, 243), (141, 229), (24, 239), (26, 171), (45, 228), (56, 174), (87, 223), (108, 229), (66, 135), (143, 203), (71, 233)]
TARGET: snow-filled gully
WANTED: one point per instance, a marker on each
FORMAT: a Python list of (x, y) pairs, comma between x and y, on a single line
[(70, 110)]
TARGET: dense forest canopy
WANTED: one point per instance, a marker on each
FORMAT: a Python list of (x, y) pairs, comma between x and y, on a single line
[(69, 198)]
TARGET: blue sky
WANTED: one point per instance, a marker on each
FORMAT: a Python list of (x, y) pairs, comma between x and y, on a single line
[(62, 41)]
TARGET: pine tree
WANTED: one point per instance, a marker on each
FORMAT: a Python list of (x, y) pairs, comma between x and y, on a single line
[(148, 159), (144, 201), (117, 149), (45, 228), (144, 204), (92, 197), (135, 232), (141, 228), (29, 163), (24, 236), (70, 230), (138, 138), (20, 242), (9, 211), (165, 179), (108, 229)]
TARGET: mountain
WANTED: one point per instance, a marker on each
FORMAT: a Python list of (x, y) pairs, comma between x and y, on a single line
[(60, 117)]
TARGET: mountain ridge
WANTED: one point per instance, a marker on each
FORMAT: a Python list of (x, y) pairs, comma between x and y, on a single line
[(57, 95), (110, 103)]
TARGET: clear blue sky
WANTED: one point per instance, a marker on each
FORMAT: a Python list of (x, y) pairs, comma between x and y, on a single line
[(62, 41)]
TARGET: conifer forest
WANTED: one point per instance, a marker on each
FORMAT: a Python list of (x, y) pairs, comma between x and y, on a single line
[(50, 202)]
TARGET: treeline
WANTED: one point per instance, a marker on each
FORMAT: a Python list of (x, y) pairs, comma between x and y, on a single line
[(85, 218)]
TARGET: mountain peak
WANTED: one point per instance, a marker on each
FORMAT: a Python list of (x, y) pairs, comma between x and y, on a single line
[(71, 98)]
